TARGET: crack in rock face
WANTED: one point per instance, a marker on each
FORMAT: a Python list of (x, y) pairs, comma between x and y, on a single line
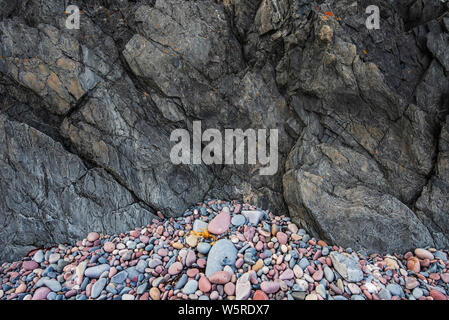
[(86, 116)]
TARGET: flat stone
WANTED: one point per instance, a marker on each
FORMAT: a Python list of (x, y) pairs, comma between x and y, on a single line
[(293, 228), (30, 265), (298, 271), (222, 253), (128, 297), (181, 282), (204, 284), (39, 256), (311, 296), (253, 217), (258, 265), (190, 287), (423, 254), (120, 277), (318, 275), (395, 289), (243, 287), (97, 288), (321, 291), (53, 285), (153, 263), (230, 289), (303, 263), (346, 267), (141, 266), (355, 289), (270, 286), (96, 271), (287, 274), (411, 283)]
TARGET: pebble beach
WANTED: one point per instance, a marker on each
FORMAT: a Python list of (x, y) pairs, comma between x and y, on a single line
[(221, 250)]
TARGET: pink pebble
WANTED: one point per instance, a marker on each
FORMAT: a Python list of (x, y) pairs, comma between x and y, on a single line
[(41, 293), (175, 268), (220, 224), (220, 277), (30, 265), (282, 237), (287, 275), (204, 284), (159, 269), (109, 247), (144, 239), (269, 286)]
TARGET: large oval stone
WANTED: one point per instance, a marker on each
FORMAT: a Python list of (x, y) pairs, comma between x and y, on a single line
[(223, 253)]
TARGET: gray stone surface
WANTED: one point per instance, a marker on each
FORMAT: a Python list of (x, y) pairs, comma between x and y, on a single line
[(223, 253), (347, 267), (370, 142)]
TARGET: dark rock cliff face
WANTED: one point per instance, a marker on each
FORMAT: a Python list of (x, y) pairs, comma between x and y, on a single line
[(86, 115)]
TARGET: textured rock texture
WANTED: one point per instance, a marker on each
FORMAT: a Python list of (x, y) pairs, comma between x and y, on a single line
[(86, 115)]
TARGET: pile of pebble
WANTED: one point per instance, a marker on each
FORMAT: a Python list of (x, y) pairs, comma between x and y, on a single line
[(256, 255)]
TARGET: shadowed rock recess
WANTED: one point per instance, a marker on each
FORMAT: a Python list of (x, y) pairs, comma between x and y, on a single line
[(363, 116)]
